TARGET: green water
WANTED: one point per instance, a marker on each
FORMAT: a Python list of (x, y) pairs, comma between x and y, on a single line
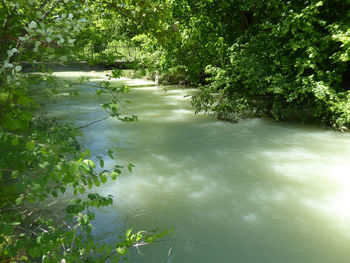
[(253, 192)]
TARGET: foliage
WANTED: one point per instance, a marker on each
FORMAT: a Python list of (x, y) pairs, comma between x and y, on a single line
[(282, 59), (46, 180), (290, 67)]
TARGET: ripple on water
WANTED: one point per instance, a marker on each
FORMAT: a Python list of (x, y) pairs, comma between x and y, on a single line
[(256, 191)]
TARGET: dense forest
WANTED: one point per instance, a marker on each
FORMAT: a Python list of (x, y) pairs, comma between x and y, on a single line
[(282, 59)]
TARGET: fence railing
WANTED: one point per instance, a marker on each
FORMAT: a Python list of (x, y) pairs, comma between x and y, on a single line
[(107, 53)]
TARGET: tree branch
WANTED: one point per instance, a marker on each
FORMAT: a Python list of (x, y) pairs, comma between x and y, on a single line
[(48, 12)]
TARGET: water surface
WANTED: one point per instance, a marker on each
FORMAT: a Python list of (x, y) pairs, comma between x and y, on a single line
[(252, 192)]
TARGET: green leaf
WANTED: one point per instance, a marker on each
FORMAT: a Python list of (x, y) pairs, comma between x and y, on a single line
[(96, 181), (90, 163), (74, 209), (149, 239), (81, 189), (15, 174), (102, 163), (128, 232), (43, 165), (110, 154), (15, 141), (24, 258), (84, 219), (34, 252), (54, 193), (130, 166), (121, 250), (114, 175), (62, 189), (103, 178), (30, 145), (74, 168), (19, 200)]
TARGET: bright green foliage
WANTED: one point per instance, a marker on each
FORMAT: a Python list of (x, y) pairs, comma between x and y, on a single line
[(46, 180), (288, 64), (285, 59)]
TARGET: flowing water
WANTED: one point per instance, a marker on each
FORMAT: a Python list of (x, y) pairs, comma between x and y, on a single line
[(252, 192)]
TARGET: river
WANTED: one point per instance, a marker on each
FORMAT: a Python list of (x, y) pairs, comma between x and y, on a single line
[(252, 192)]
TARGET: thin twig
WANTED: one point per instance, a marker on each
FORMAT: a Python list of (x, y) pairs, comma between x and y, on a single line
[(22, 228), (138, 251), (75, 233), (91, 123)]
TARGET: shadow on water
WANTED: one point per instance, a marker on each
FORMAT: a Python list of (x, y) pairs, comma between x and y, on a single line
[(256, 191)]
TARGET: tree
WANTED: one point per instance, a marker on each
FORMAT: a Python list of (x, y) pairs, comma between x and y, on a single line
[(281, 59), (289, 63), (39, 158)]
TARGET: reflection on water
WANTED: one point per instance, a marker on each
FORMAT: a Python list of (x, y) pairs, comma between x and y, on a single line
[(256, 191)]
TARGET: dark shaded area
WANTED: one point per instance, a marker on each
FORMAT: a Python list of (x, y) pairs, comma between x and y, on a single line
[(345, 84)]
